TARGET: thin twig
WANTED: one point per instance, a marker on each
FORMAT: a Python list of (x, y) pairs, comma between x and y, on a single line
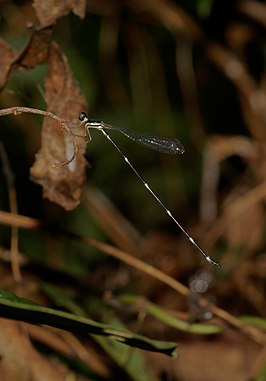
[(12, 195), (18, 220), (17, 110)]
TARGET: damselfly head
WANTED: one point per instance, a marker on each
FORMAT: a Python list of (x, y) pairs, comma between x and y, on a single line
[(83, 117)]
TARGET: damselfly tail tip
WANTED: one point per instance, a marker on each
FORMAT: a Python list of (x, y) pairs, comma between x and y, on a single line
[(213, 262), (181, 149)]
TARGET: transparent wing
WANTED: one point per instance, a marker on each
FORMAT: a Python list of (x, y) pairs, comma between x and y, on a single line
[(158, 143)]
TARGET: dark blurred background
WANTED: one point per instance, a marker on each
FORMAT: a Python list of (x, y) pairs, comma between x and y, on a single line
[(191, 70)]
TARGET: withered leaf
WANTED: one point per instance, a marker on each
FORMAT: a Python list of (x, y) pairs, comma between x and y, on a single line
[(7, 58), (35, 53), (243, 221), (62, 184), (50, 10), (15, 348), (37, 50)]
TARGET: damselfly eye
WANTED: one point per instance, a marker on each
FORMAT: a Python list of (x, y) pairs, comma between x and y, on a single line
[(82, 116)]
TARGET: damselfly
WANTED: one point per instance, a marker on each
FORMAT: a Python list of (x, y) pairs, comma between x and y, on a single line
[(158, 143)]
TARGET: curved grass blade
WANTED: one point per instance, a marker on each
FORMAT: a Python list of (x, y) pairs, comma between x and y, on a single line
[(132, 362), (21, 309), (255, 320), (170, 320)]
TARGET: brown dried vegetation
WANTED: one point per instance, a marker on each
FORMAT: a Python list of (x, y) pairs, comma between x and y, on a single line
[(231, 224)]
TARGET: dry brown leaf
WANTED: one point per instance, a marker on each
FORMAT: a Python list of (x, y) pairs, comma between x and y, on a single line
[(244, 225), (14, 353), (219, 148), (19, 359), (35, 53), (37, 49), (66, 344), (62, 184), (243, 211), (50, 10), (43, 370), (225, 146), (7, 58), (251, 96), (246, 279), (219, 360)]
